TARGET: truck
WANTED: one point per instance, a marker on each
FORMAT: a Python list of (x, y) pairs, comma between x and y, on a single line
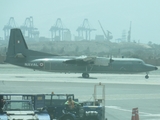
[(49, 107), (21, 109)]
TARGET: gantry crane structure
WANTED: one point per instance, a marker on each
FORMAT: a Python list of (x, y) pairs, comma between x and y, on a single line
[(129, 33), (28, 27), (58, 28), (85, 28), (11, 24), (108, 36)]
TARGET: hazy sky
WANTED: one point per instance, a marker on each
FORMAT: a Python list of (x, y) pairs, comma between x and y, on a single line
[(115, 16)]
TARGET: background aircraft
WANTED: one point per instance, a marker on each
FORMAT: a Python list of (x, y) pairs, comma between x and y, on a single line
[(19, 54)]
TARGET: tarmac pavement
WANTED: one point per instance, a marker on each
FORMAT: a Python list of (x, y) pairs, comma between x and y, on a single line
[(123, 92)]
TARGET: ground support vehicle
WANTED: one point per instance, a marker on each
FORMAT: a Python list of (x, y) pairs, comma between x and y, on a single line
[(85, 112), (90, 110), (55, 107), (21, 110)]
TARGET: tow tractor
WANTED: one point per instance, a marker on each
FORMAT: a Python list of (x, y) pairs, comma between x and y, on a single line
[(51, 107), (89, 110)]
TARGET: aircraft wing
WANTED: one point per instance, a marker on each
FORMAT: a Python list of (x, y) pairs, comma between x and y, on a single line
[(90, 60), (82, 60)]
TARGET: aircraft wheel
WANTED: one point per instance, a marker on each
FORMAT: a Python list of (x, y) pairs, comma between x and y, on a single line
[(146, 76), (85, 75)]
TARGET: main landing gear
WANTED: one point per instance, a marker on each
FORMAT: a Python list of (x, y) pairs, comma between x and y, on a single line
[(85, 75)]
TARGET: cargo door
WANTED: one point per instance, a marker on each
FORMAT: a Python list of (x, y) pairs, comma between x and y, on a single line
[(47, 66)]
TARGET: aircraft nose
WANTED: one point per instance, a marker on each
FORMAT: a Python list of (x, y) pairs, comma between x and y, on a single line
[(151, 67)]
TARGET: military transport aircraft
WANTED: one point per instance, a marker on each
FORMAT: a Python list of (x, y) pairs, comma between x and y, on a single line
[(19, 54)]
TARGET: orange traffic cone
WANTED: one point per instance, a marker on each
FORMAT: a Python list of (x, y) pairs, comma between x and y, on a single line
[(135, 114)]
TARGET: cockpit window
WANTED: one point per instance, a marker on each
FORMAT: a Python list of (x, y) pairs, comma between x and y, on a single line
[(141, 62)]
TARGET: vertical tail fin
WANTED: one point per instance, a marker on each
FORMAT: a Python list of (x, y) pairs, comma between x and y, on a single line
[(17, 43), (17, 48)]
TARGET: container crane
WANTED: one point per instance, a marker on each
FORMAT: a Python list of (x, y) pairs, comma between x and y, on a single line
[(11, 24), (107, 36), (29, 28), (58, 28), (85, 28)]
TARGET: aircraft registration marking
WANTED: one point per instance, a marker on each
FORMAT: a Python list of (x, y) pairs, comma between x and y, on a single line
[(31, 64)]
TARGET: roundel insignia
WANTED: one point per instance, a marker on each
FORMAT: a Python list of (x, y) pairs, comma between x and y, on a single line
[(41, 64)]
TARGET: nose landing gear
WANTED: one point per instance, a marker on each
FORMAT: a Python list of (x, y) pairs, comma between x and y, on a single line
[(147, 75)]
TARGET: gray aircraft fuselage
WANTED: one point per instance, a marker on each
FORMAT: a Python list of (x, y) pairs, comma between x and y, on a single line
[(57, 64), (19, 54)]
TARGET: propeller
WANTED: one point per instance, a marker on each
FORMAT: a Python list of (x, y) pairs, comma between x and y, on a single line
[(111, 60)]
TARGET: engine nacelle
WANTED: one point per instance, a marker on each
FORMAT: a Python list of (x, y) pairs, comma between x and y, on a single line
[(102, 61)]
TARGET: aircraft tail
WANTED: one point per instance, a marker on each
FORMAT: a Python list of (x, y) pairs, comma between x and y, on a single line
[(17, 47), (17, 43)]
